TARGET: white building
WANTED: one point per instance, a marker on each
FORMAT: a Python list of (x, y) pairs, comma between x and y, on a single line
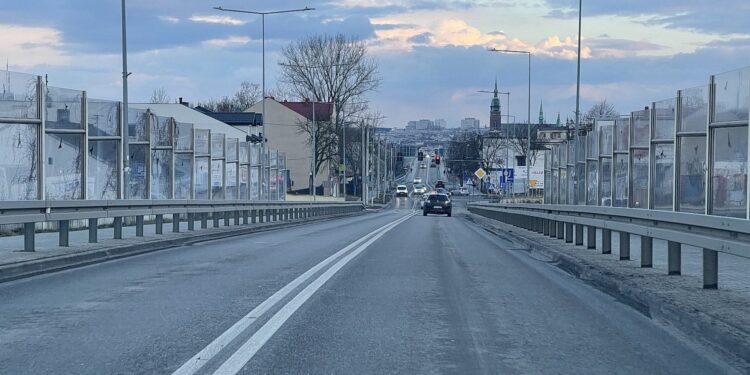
[(470, 124), (441, 124)]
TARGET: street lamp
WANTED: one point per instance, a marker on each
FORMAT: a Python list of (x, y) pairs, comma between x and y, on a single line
[(125, 135), (528, 118), (263, 42), (578, 92)]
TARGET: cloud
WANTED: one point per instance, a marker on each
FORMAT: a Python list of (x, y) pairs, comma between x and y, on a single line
[(169, 19), (219, 20), (230, 40), (28, 47)]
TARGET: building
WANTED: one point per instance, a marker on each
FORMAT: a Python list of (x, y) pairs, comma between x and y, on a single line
[(441, 124), (425, 125), (412, 125), (470, 124), (495, 113), (284, 121)]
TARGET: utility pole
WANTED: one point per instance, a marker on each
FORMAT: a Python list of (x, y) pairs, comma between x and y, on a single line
[(578, 100), (125, 135), (314, 154)]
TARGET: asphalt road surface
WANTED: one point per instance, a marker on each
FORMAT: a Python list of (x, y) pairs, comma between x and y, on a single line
[(386, 292)]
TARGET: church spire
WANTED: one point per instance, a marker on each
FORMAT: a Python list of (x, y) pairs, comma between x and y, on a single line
[(496, 88), (558, 119), (541, 114)]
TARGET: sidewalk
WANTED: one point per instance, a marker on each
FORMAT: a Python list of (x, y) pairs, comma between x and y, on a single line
[(719, 319), (49, 257)]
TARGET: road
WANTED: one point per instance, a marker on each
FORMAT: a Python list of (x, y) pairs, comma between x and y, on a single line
[(385, 292)]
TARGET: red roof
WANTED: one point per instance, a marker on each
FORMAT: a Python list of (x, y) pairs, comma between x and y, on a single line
[(323, 111)]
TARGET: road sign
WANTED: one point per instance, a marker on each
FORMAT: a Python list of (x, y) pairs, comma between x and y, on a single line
[(480, 173), (506, 176)]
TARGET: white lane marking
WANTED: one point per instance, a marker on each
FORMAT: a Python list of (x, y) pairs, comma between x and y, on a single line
[(247, 351), (199, 360)]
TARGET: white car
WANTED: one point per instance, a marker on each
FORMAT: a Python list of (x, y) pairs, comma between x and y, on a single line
[(420, 189), (402, 191), (417, 180)]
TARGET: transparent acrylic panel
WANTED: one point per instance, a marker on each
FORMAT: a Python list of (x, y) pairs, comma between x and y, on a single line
[(137, 184), (592, 185), (63, 166), (571, 158), (183, 175), (244, 152), (217, 179), (605, 140), (254, 154), (264, 182), (621, 181), (554, 187), (732, 96), (581, 148), (254, 183), (183, 134), (273, 183), (547, 160), (231, 149), (592, 145), (284, 183), (563, 149), (694, 109), (729, 178), (665, 114), (201, 142), (103, 178), (63, 108), (663, 182), (563, 186), (161, 174), (217, 145), (18, 162), (161, 131), (692, 175), (555, 156), (18, 97), (244, 181), (581, 184), (622, 134), (274, 155), (640, 129), (639, 179), (202, 166), (547, 188), (104, 118), (137, 121), (230, 191), (605, 187)]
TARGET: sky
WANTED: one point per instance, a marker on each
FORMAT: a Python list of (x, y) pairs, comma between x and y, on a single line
[(433, 54)]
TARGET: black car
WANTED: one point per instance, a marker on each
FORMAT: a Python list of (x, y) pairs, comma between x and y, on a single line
[(437, 204)]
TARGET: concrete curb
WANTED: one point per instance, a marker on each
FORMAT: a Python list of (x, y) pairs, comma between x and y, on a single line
[(25, 269), (729, 340)]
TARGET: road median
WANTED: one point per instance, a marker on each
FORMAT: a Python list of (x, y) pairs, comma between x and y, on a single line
[(719, 319)]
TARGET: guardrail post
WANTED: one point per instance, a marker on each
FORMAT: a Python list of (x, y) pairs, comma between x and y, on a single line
[(117, 226), (254, 216), (269, 216), (93, 230), (176, 223), (710, 269), (647, 252), (204, 220), (236, 217), (545, 226), (215, 217), (226, 218), (568, 232), (139, 226), (191, 221), (159, 224), (624, 246), (606, 241), (579, 235), (591, 233), (674, 258), (560, 230), (245, 217), (64, 229), (552, 228), (28, 236)]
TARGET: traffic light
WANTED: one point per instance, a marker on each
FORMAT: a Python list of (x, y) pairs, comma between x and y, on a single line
[(437, 159), (420, 156)]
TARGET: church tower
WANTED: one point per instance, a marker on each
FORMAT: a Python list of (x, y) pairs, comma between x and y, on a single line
[(495, 113), (541, 114)]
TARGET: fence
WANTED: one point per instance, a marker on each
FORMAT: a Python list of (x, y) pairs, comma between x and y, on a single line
[(57, 144)]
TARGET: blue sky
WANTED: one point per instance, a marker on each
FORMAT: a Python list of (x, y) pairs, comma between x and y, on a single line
[(432, 53)]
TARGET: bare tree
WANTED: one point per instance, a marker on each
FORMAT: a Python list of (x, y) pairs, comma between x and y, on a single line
[(248, 94), (330, 69), (603, 109), (159, 96), (518, 144)]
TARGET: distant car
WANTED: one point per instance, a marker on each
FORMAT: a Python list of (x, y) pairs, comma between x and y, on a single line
[(417, 180), (437, 204), (402, 191), (423, 166), (440, 184), (461, 192), (420, 189)]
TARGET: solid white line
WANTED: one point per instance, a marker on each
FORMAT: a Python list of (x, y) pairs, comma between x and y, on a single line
[(245, 353), (211, 350)]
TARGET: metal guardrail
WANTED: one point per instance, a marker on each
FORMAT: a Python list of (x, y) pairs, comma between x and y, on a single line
[(29, 213), (714, 234)]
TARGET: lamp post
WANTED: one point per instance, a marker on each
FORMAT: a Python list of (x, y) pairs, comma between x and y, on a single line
[(528, 118), (578, 96), (263, 42), (125, 135)]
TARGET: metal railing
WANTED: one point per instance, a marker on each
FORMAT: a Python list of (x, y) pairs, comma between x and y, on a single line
[(29, 213), (715, 234)]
